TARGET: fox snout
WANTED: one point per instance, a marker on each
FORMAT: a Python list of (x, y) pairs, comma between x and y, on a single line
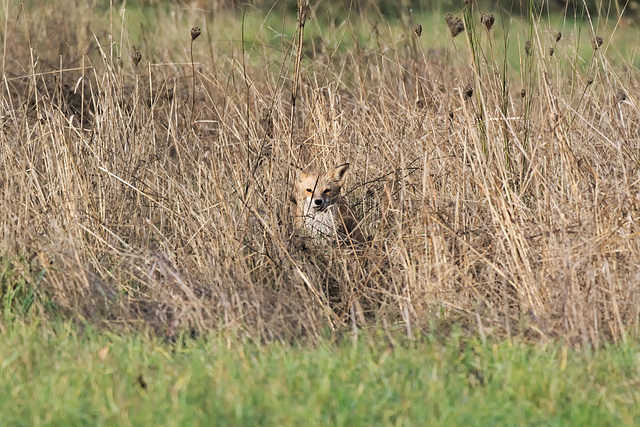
[(319, 203)]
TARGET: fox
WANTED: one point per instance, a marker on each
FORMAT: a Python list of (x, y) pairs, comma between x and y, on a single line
[(320, 208)]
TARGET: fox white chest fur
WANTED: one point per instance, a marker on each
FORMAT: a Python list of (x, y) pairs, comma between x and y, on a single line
[(323, 221)]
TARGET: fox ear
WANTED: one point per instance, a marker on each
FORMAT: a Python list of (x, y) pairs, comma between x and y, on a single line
[(298, 172), (339, 173), (296, 168)]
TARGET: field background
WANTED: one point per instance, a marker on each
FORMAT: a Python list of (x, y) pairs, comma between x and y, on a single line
[(146, 175), (149, 269)]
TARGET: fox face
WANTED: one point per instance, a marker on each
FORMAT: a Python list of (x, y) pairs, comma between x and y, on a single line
[(320, 191), (320, 209)]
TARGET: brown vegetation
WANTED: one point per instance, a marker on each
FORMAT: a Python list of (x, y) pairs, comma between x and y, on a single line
[(510, 207)]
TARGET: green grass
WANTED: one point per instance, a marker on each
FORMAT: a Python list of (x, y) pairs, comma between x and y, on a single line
[(330, 29), (57, 376), (19, 285)]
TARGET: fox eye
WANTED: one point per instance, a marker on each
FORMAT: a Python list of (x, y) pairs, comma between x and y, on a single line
[(309, 190), (327, 191)]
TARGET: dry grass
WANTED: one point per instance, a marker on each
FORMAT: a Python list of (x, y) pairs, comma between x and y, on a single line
[(514, 212)]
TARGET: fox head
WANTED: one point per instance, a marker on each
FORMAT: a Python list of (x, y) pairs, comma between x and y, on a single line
[(320, 209), (319, 192)]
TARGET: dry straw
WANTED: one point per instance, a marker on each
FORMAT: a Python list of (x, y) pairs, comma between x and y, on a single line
[(127, 205)]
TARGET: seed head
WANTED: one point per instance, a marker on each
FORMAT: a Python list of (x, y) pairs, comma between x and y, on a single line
[(195, 33), (551, 50), (620, 96), (527, 48), (597, 42), (266, 121), (558, 36), (455, 24), (589, 81), (417, 30), (487, 20), (523, 93), (467, 91), (136, 57)]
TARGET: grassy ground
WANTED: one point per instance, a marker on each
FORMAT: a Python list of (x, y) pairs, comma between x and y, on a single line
[(55, 376)]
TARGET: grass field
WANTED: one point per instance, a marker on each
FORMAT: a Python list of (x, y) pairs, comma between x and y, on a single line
[(55, 376), (147, 157)]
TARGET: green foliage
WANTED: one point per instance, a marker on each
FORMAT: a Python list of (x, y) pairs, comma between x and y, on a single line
[(57, 376), (19, 282)]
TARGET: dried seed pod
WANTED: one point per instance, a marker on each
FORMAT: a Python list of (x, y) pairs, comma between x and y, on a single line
[(303, 11), (558, 36), (184, 94), (523, 93), (467, 91), (119, 62), (141, 382), (487, 20), (195, 33), (455, 24), (620, 96), (589, 81), (136, 57), (527, 48), (551, 50), (417, 30), (266, 122), (597, 42)]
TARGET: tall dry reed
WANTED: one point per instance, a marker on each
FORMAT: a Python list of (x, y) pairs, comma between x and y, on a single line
[(149, 186)]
